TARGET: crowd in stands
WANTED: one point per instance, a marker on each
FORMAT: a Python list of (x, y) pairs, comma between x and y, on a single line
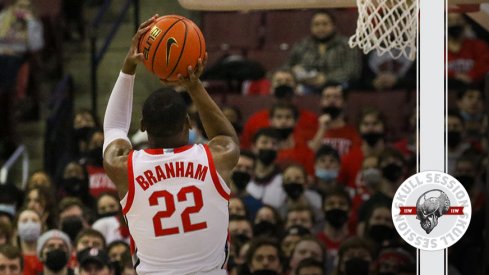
[(311, 193)]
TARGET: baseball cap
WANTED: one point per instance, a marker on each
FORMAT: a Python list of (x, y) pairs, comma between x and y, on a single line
[(91, 255)]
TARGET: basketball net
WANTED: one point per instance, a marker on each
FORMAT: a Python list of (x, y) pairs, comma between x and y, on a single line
[(387, 26)]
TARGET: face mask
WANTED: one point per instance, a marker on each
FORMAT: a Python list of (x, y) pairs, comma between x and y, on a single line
[(265, 272), (466, 181), (267, 156), (83, 133), (96, 156), (117, 267), (326, 175), (56, 259), (240, 179), (284, 133), (332, 111), (455, 31), (371, 176), (372, 138), (74, 186), (29, 231), (72, 226), (108, 214), (264, 228), (392, 172), (336, 217), (283, 91), (293, 190), (380, 233), (454, 138), (357, 266), (242, 238), (192, 136)]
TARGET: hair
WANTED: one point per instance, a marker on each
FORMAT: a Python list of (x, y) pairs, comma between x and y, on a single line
[(69, 202), (284, 105), (259, 242), (30, 183), (164, 113), (315, 240), (92, 233), (268, 132), (328, 13), (284, 70), (247, 153), (109, 194), (247, 214), (327, 150), (300, 208), (354, 243), (333, 84), (309, 262), (7, 231), (372, 111), (391, 152), (276, 214), (298, 166), (47, 200), (82, 110), (465, 89), (338, 191), (239, 115), (116, 243), (11, 252)]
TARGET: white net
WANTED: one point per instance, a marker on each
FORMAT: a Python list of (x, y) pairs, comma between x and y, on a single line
[(387, 26)]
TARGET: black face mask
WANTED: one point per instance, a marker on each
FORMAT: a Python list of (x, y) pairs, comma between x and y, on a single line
[(466, 181), (95, 155), (357, 266), (56, 260), (392, 172), (264, 228), (454, 138), (242, 238), (380, 233), (293, 190), (336, 217), (240, 179), (117, 267), (108, 214), (332, 111), (72, 226), (83, 133), (284, 133), (455, 31), (75, 187), (267, 156), (283, 91), (372, 138), (264, 272)]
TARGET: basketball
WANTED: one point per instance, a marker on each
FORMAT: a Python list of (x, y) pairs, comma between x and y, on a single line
[(171, 45)]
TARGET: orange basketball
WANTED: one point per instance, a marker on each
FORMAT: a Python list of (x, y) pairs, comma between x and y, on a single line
[(171, 45)]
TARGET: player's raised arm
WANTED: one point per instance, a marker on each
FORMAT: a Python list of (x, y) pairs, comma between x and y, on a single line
[(118, 115)]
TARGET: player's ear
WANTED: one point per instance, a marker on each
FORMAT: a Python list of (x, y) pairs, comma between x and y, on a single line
[(142, 126)]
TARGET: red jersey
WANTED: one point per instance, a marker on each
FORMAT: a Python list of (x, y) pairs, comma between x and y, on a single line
[(98, 181), (472, 59), (342, 139)]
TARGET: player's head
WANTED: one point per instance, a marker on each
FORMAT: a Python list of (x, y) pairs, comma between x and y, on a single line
[(165, 115)]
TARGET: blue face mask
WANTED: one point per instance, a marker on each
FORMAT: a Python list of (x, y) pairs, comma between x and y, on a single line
[(325, 174), (192, 136)]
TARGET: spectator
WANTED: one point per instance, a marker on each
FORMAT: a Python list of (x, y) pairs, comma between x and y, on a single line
[(241, 175), (292, 145), (6, 233), (53, 249), (94, 261), (39, 178), (233, 114), (292, 236), (84, 124), (327, 165), (74, 183), (379, 226), (468, 59), (240, 228), (300, 215), (324, 56), (337, 211), (470, 102), (41, 199), (307, 247), (356, 256), (264, 255), (72, 217), (116, 250), (283, 86), (11, 260), (108, 205), (268, 180), (295, 192), (393, 260), (372, 131), (237, 207), (89, 237), (455, 139), (267, 223), (310, 266), (29, 227), (333, 128)]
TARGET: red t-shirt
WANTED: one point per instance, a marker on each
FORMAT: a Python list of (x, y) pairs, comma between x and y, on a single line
[(351, 164), (98, 180), (299, 154), (342, 139), (305, 130), (32, 265), (473, 60)]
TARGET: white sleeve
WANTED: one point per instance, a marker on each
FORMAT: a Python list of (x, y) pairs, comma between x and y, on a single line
[(117, 118)]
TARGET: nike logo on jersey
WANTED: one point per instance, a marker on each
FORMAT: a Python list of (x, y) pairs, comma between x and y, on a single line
[(169, 43)]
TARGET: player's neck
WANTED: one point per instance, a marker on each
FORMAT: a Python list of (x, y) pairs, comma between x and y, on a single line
[(167, 142)]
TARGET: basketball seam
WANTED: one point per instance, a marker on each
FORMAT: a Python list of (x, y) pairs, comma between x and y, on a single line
[(181, 53), (159, 42)]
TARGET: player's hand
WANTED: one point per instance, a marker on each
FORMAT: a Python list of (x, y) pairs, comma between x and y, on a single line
[(133, 56), (192, 80)]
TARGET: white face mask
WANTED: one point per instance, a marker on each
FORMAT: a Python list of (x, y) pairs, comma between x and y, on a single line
[(29, 231)]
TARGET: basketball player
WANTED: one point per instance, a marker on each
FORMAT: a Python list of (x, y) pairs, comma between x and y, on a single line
[(173, 195)]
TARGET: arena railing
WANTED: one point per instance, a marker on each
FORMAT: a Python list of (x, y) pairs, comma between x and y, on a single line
[(20, 152), (97, 55)]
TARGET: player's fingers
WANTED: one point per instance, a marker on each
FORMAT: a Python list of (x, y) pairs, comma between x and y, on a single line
[(149, 21)]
